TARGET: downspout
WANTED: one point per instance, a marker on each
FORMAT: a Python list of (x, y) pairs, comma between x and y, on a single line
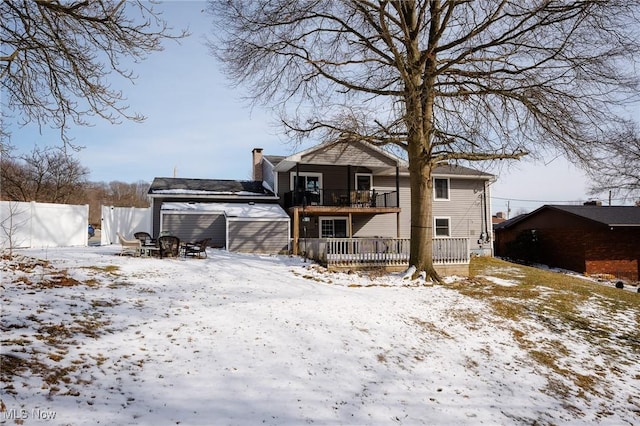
[(485, 237), (486, 212), (484, 234), (397, 201)]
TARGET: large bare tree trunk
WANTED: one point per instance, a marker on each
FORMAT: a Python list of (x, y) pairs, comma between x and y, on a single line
[(419, 101), (421, 256)]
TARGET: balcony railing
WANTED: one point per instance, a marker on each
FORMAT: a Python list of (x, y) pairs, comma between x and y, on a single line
[(353, 252), (340, 198)]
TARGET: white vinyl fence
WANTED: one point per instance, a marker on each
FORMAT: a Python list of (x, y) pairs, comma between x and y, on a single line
[(33, 225), (125, 220)]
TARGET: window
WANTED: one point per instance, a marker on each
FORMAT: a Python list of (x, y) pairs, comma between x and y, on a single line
[(333, 228), (306, 182), (441, 189), (442, 227), (308, 187), (364, 181)]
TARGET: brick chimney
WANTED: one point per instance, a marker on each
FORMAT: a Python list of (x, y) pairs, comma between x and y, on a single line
[(257, 164)]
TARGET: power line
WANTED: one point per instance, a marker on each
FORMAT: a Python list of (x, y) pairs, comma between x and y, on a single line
[(548, 201)]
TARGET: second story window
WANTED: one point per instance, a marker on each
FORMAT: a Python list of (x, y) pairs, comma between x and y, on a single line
[(306, 188), (363, 181), (441, 189), (306, 182)]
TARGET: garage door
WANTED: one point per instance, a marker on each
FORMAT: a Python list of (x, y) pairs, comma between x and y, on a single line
[(258, 236), (196, 226)]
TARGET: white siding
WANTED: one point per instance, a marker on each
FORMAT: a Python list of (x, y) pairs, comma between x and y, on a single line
[(384, 225), (465, 209)]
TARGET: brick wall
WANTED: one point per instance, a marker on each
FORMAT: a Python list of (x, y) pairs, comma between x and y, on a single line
[(563, 248), (615, 252)]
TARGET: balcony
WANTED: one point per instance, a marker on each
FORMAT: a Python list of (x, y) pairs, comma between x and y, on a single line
[(341, 198)]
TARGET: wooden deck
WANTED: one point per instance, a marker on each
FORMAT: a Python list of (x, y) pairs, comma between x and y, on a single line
[(380, 252)]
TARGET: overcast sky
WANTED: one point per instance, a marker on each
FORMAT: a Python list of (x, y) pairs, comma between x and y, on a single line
[(199, 127)]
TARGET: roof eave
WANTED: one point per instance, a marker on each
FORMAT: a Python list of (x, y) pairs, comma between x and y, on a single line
[(462, 176), (216, 197)]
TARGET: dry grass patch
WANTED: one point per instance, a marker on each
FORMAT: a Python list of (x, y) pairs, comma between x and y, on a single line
[(53, 365), (578, 332), (431, 328), (107, 269)]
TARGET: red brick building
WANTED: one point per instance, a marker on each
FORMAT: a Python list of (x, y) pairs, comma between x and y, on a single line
[(590, 239)]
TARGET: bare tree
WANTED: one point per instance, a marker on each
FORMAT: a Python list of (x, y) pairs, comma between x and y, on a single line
[(56, 57), (13, 220), (616, 167), (45, 175), (443, 80), (128, 194)]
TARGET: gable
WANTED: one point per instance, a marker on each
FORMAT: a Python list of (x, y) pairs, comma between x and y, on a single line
[(345, 153), (363, 154)]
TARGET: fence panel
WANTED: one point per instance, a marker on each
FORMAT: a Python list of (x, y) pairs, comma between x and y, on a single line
[(125, 220), (43, 224)]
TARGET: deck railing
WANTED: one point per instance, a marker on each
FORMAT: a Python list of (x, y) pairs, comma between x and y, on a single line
[(448, 251), (340, 198), (380, 251)]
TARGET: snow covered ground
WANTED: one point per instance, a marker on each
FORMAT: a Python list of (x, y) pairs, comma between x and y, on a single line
[(89, 337)]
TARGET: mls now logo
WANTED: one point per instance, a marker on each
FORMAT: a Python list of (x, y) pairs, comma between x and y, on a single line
[(24, 414)]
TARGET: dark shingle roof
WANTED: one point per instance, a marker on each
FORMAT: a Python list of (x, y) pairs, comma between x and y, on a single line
[(455, 170), (164, 185), (608, 215)]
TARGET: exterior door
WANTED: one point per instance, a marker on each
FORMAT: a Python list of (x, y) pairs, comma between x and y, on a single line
[(309, 185)]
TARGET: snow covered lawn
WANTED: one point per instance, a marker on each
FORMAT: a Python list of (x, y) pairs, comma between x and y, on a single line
[(89, 337)]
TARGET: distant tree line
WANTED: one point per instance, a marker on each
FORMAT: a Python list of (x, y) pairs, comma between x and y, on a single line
[(51, 175)]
